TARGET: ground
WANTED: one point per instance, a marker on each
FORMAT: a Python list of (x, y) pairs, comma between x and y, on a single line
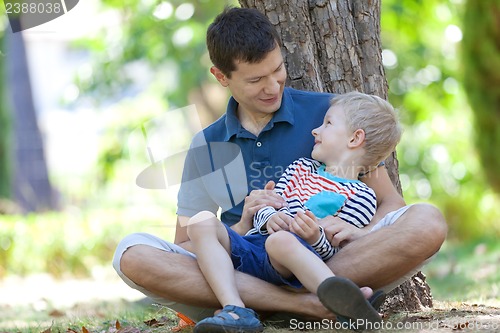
[(104, 304)]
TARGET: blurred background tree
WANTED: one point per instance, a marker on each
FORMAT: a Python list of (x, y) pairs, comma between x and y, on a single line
[(438, 160), (481, 79), (149, 56), (421, 39), (421, 44), (23, 169)]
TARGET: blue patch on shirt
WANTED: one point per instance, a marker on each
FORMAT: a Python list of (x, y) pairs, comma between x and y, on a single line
[(325, 203)]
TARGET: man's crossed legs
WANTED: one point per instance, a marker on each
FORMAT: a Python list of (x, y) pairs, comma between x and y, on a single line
[(392, 252)]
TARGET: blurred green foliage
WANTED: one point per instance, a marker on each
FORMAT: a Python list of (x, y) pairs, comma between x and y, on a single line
[(148, 61), (154, 58), (481, 78), (75, 241), (163, 40), (438, 160), (150, 57)]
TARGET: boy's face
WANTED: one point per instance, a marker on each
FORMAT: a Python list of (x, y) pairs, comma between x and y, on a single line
[(332, 137), (257, 87)]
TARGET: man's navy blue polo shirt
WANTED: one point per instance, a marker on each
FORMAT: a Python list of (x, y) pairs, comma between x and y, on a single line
[(265, 157)]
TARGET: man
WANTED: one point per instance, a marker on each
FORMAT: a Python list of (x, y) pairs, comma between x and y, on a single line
[(271, 126)]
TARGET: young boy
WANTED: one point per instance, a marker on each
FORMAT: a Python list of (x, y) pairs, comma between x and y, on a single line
[(358, 132)]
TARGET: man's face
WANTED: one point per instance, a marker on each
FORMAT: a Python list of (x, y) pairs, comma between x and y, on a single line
[(257, 87)]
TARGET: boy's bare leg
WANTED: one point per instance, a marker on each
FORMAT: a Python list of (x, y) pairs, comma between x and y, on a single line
[(177, 277), (385, 255), (289, 257), (211, 245)]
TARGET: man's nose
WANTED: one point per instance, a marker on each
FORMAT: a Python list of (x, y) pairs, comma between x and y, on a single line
[(273, 86)]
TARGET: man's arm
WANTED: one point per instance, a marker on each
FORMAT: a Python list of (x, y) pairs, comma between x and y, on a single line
[(256, 200), (388, 198)]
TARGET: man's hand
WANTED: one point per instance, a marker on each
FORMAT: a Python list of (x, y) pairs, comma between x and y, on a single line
[(279, 221), (305, 225), (339, 232), (256, 200)]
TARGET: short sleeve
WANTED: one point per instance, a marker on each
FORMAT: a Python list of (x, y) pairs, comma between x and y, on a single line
[(193, 196)]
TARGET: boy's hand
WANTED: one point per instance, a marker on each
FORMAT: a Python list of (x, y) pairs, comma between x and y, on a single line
[(279, 221), (306, 226), (258, 199)]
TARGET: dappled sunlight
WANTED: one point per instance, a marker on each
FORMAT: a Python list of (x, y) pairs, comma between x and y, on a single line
[(466, 272), (43, 292), (119, 93)]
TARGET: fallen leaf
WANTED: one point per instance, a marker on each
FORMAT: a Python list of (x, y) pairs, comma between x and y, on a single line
[(84, 329), (56, 313), (186, 319), (151, 322), (183, 324), (156, 323)]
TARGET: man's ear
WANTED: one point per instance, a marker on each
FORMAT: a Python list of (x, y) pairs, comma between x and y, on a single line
[(357, 138), (221, 77)]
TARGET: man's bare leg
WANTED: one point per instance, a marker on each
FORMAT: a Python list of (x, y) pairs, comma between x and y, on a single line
[(177, 277), (385, 255)]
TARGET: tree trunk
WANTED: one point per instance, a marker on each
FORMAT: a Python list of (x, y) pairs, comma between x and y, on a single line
[(32, 190), (335, 46), (481, 61)]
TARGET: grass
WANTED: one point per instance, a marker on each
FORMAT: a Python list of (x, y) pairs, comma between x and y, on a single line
[(92, 317), (466, 272)]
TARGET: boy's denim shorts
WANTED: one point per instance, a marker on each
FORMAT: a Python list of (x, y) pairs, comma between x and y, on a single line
[(249, 255)]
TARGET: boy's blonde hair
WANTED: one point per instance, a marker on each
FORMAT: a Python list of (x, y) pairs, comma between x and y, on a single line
[(377, 118)]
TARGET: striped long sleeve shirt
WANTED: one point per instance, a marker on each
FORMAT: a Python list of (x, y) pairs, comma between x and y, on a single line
[(305, 185)]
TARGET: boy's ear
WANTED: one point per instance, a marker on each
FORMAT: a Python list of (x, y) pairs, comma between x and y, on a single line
[(221, 77), (357, 138)]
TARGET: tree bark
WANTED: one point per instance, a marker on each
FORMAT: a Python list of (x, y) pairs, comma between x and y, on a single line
[(335, 46)]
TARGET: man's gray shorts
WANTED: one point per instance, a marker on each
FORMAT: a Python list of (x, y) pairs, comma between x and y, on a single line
[(197, 313)]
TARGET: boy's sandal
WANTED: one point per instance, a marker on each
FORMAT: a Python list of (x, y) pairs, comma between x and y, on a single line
[(377, 299), (344, 298), (247, 321)]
